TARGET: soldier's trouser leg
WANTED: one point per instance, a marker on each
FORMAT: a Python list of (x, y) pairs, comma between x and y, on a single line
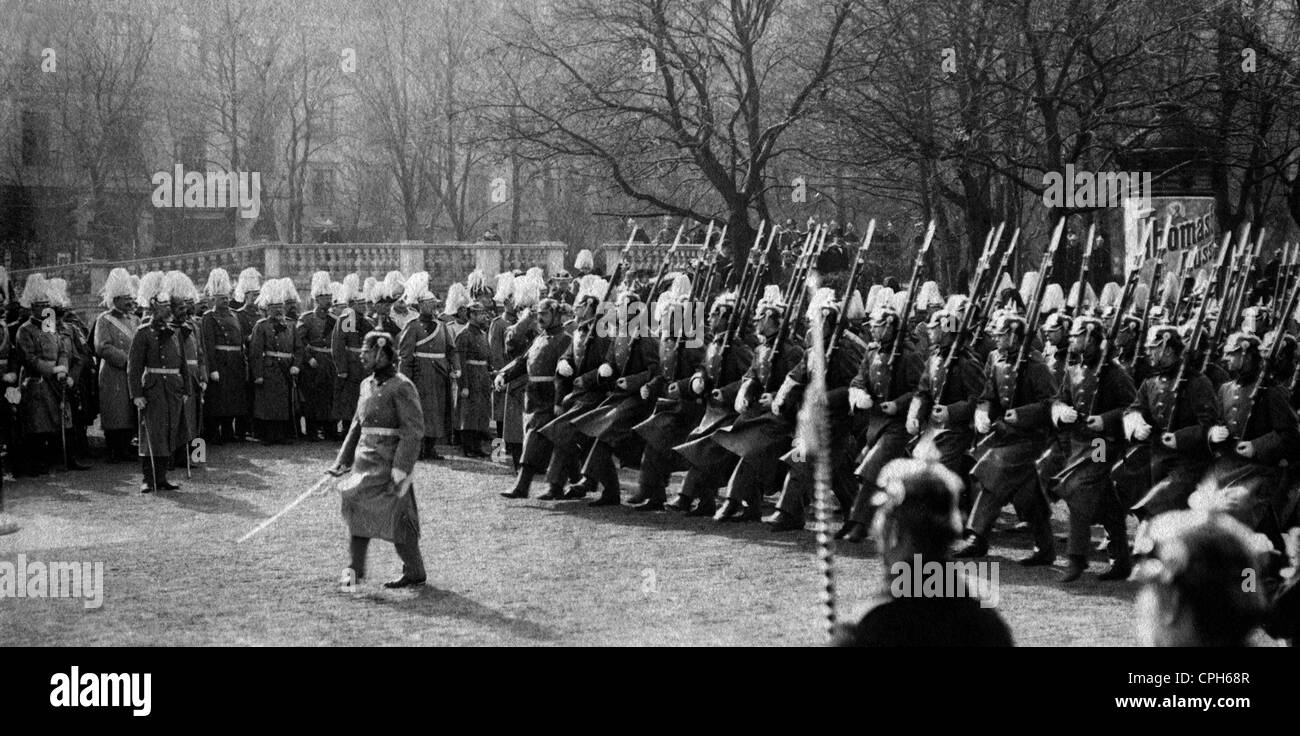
[(1033, 509), (357, 548), (984, 513), (599, 468), (794, 495), (656, 470), (754, 475), (566, 462), (412, 560), (153, 471)]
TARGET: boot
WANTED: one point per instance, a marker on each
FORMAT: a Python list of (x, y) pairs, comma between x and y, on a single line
[(553, 493), (150, 482), (705, 507), (1074, 570), (521, 485)]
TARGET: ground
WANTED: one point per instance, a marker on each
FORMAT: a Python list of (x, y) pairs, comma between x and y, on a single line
[(500, 572)]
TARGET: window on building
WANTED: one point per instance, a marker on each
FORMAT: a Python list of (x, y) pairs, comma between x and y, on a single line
[(36, 138)]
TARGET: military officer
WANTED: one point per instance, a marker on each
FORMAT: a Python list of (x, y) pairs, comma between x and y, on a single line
[(426, 354), (114, 329), (316, 331), (157, 376)]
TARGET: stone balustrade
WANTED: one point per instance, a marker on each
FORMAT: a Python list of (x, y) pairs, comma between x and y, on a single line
[(646, 257)]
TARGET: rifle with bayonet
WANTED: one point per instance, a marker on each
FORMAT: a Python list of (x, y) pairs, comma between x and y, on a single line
[(859, 263)]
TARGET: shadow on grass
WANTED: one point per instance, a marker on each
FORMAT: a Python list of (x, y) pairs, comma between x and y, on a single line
[(207, 502), (434, 602)]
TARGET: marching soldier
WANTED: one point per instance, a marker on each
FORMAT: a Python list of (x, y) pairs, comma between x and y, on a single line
[(716, 382), (578, 391), (380, 451), (631, 360), (156, 373), (226, 397), (884, 392), (677, 409), (1254, 442), (114, 330), (1014, 414), (1095, 393), (316, 331), (247, 290), (761, 435), (274, 358), (474, 411), (946, 396), (1174, 417), (426, 354), (350, 330), (540, 398), (841, 370)]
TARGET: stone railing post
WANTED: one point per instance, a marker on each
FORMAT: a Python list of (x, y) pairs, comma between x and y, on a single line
[(613, 256), (271, 253), (555, 253)]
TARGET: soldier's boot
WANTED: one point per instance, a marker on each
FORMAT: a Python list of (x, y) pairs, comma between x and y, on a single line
[(514, 449), (1121, 563), (731, 508), (522, 484), (163, 483), (553, 492), (150, 482), (600, 468), (1040, 523), (1116, 570), (1074, 571)]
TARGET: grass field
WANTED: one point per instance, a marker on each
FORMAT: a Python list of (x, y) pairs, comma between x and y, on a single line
[(500, 572)]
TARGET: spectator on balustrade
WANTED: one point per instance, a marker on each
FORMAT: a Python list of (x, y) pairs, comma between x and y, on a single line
[(492, 235), (666, 233), (637, 234)]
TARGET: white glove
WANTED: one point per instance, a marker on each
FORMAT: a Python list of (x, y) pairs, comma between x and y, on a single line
[(1170, 440), (293, 370), (697, 385), (11, 377), (1246, 449), (1010, 416), (621, 383), (402, 479), (776, 405), (1095, 423), (1135, 427), (645, 393), (60, 370), (1063, 414), (564, 369), (742, 403), (399, 475), (68, 381), (605, 370), (859, 399), (140, 402), (214, 375), (1218, 433), (499, 383), (889, 407), (311, 362), (982, 422), (913, 424)]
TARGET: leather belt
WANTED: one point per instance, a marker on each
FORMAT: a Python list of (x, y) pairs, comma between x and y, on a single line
[(432, 356), (476, 362), (164, 371), (315, 349), (231, 348), (381, 431), (541, 379), (274, 354), (192, 362)]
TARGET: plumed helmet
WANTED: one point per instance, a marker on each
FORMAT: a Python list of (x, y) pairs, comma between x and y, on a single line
[(250, 280), (118, 284), (320, 284), (218, 283)]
